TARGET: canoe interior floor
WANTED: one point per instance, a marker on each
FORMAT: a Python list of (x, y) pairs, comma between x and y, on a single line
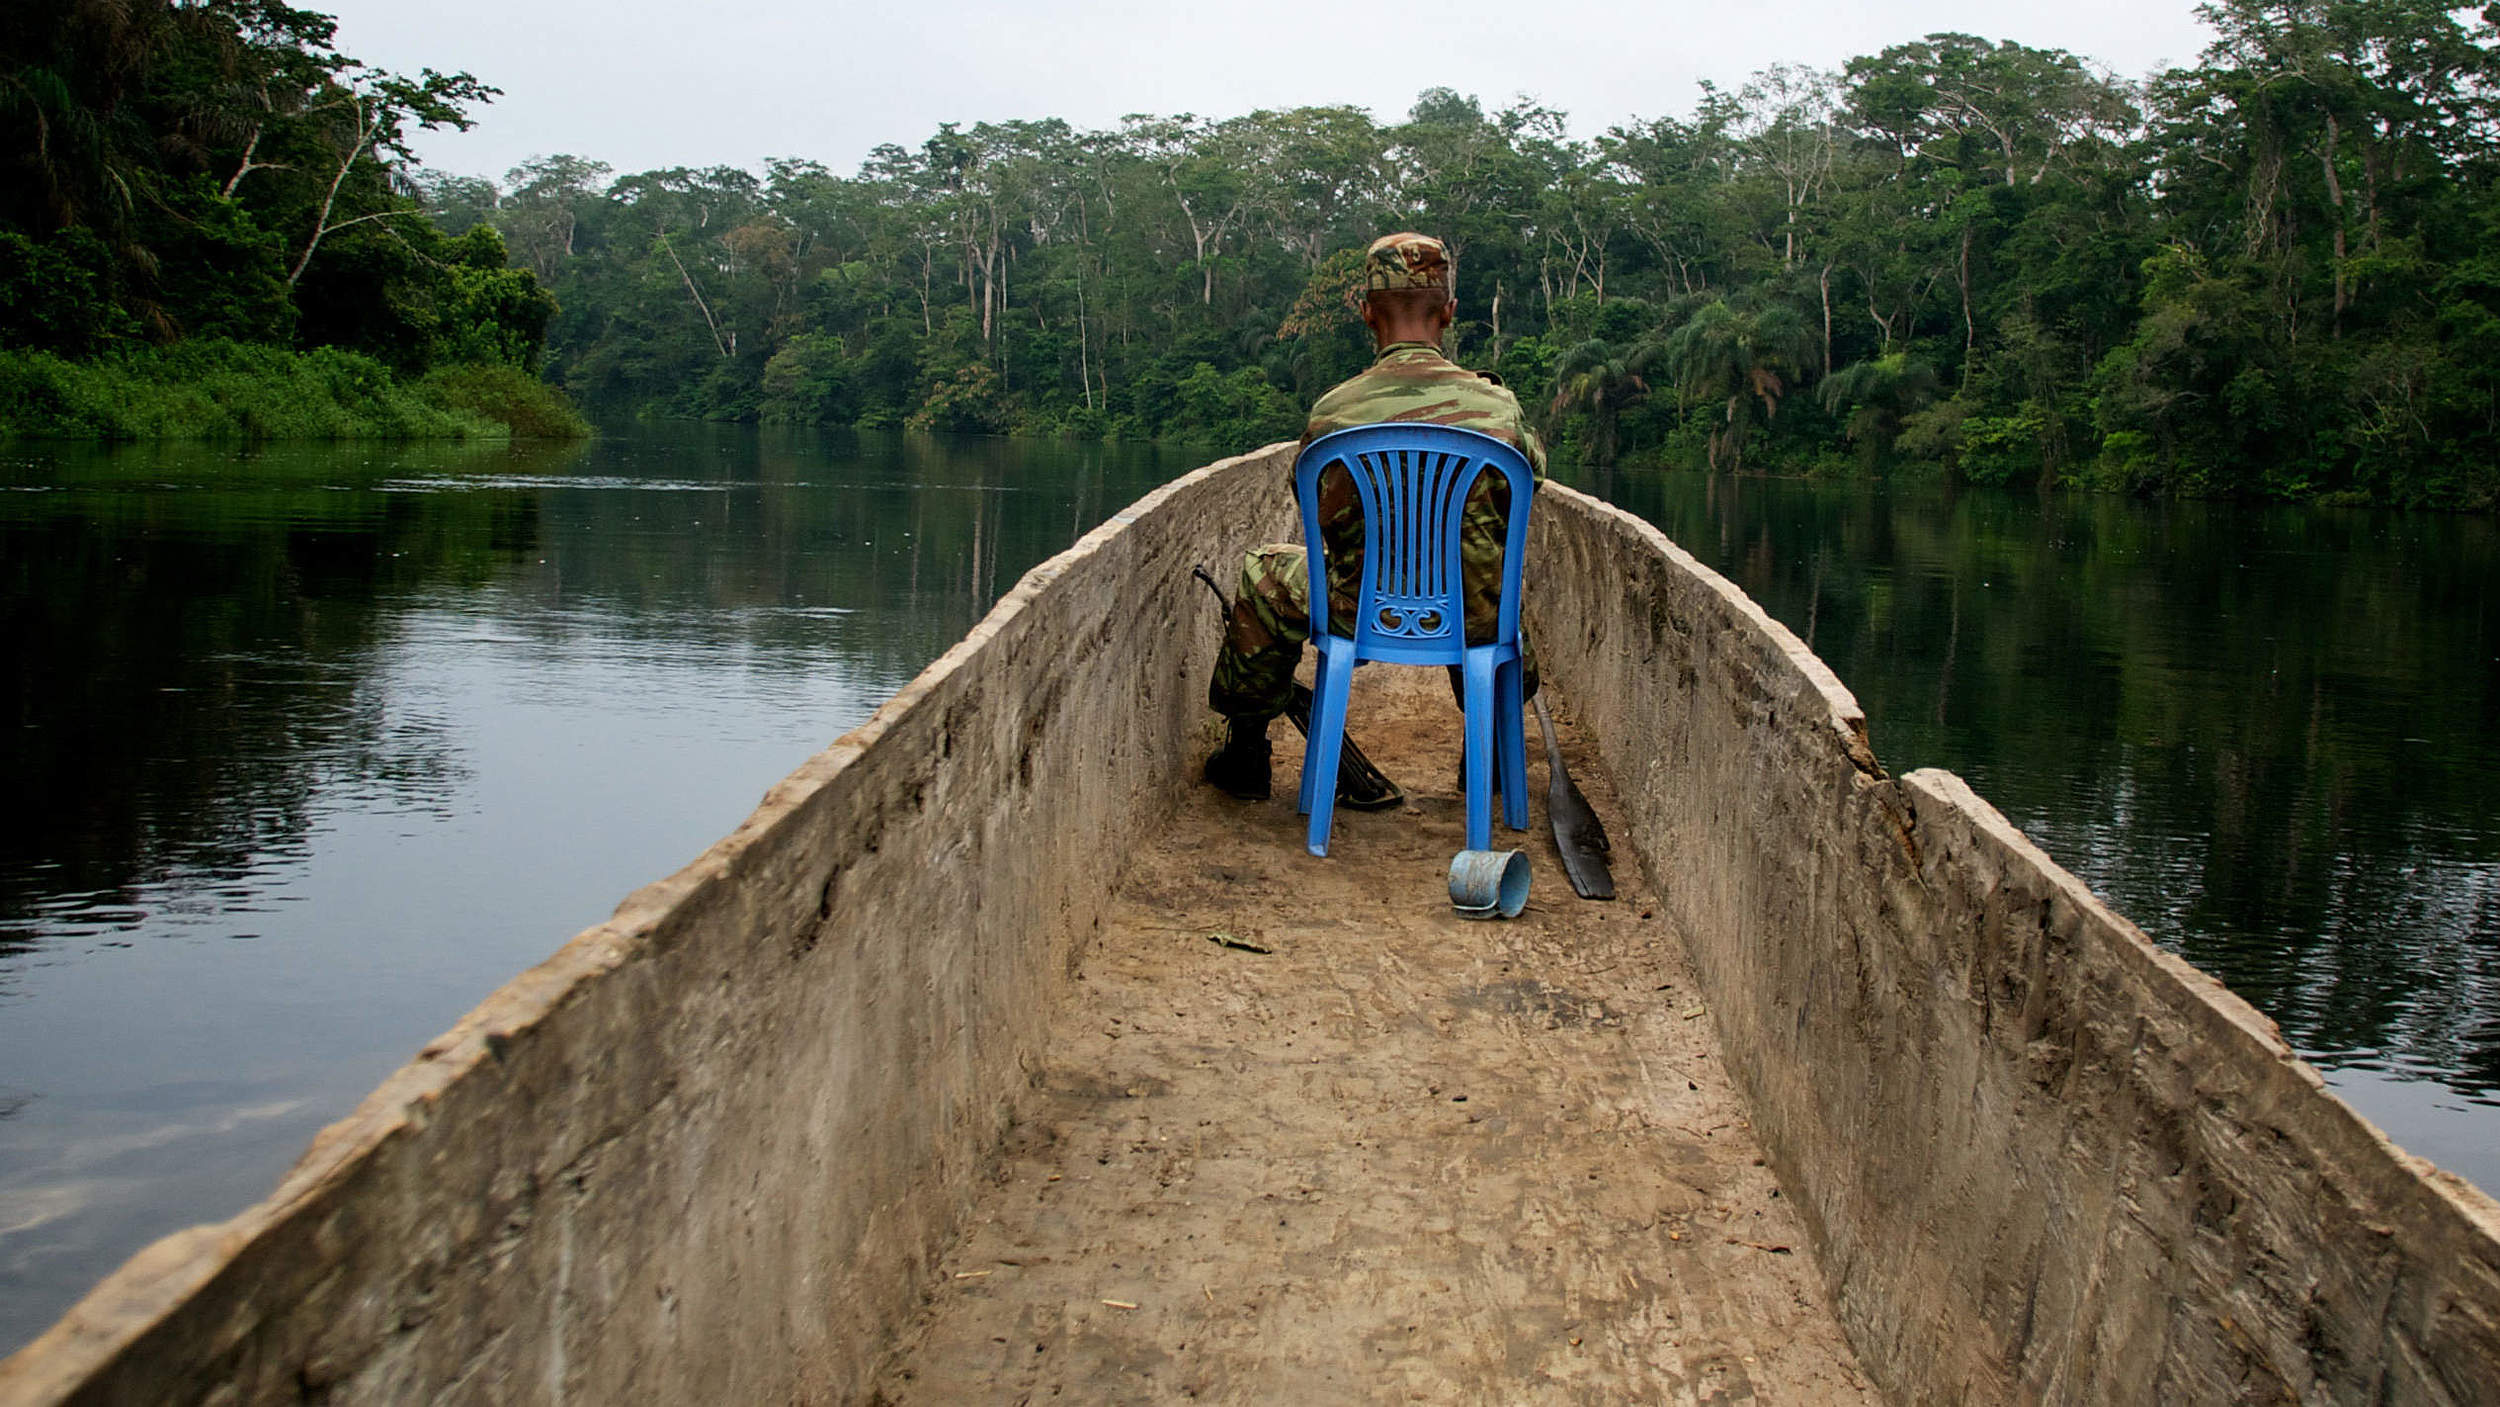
[(1400, 1156)]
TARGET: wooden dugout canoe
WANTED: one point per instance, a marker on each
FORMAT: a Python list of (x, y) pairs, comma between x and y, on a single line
[(735, 1144)]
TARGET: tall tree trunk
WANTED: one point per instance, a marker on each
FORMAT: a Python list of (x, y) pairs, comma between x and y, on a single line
[(989, 271), (1084, 346), (2369, 190), (928, 261), (2264, 184), (2335, 197), (245, 166), (368, 122), (1825, 283), (1970, 327), (725, 346)]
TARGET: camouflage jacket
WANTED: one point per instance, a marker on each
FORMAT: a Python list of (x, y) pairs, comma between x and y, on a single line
[(1413, 381)]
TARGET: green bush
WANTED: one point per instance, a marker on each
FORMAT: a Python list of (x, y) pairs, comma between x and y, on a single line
[(220, 390), (527, 408), (1211, 407)]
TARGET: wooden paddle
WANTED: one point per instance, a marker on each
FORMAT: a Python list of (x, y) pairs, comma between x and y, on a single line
[(1578, 834)]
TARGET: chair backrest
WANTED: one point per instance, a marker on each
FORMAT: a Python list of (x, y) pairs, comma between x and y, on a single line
[(1412, 481)]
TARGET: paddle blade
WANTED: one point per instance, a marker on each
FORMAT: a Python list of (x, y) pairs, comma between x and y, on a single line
[(1581, 839)]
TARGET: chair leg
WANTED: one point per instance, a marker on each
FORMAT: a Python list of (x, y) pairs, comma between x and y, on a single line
[(1319, 759), (1510, 732), (1480, 730), (1319, 689)]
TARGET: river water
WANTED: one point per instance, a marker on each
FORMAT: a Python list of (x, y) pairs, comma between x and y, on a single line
[(313, 747)]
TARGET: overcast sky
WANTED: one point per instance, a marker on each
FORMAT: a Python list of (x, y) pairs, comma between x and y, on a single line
[(642, 84)]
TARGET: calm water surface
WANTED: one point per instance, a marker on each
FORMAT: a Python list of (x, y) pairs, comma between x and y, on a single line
[(313, 748), (310, 749)]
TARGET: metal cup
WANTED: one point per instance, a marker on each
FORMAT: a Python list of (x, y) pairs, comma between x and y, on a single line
[(1489, 883)]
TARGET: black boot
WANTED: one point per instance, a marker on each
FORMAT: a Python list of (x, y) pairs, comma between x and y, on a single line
[(1240, 768)]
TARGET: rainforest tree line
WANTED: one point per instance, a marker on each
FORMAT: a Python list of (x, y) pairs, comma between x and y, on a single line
[(215, 176), (2272, 274), (2267, 275)]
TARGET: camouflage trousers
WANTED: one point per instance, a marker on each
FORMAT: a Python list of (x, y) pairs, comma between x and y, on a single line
[(1272, 618)]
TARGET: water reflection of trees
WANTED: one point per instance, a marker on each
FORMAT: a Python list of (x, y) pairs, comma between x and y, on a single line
[(198, 638), (2272, 737), (191, 662), (761, 537)]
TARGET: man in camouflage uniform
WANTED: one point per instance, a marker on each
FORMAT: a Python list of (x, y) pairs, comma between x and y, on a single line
[(1408, 302)]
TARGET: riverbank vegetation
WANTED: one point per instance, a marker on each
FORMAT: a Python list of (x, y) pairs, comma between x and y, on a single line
[(211, 388), (2267, 275), (206, 230)]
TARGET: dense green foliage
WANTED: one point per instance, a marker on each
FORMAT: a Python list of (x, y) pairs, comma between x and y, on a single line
[(2267, 275), (174, 171), (211, 388)]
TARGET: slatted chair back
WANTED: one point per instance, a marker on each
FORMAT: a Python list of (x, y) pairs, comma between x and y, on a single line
[(1412, 481), (1410, 607)]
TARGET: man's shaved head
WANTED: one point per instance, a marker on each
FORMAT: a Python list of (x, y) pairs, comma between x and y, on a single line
[(1410, 303), (1408, 314)]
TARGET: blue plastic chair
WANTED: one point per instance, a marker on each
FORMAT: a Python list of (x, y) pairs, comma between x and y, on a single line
[(1411, 607)]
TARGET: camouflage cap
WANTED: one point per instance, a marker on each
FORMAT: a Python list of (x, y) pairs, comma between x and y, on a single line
[(1406, 260)]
